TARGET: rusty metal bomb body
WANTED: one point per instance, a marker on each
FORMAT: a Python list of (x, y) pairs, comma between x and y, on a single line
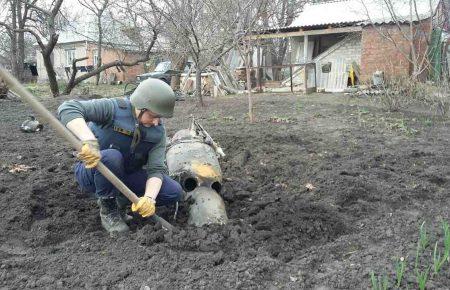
[(195, 165)]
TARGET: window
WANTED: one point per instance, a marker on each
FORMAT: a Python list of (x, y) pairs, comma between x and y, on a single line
[(95, 57), (70, 56)]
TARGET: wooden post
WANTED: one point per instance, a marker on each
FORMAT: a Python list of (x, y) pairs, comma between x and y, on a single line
[(305, 59), (306, 78), (258, 64), (290, 74), (305, 49)]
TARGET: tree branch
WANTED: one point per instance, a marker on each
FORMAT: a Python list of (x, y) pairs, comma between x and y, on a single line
[(38, 38), (32, 5), (74, 68), (116, 63), (56, 8)]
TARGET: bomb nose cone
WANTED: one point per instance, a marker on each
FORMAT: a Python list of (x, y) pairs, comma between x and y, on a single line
[(208, 207)]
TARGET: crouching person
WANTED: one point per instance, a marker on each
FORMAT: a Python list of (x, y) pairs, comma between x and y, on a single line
[(127, 135)]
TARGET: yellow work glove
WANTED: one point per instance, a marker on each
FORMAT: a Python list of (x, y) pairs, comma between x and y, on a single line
[(145, 206), (90, 153)]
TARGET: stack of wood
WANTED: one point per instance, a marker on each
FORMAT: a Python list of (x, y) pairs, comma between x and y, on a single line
[(217, 81)]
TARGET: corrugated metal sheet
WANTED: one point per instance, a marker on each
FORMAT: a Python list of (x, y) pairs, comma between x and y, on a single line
[(362, 12)]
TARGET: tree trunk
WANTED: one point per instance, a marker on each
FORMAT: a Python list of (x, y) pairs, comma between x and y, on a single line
[(20, 42), (198, 85), (51, 73), (249, 84), (99, 47), (14, 60), (21, 55)]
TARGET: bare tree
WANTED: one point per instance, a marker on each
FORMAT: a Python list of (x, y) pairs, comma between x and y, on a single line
[(14, 21), (278, 14), (45, 21), (250, 16), (97, 7), (206, 28), (140, 25), (44, 25), (5, 48)]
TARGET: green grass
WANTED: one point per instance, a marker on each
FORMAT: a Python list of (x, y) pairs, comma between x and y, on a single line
[(422, 278), (428, 122), (42, 91), (277, 119), (299, 106), (423, 269), (400, 266), (423, 237), (438, 260), (363, 111), (379, 283), (445, 228)]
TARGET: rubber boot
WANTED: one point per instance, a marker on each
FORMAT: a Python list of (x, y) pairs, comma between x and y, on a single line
[(112, 222), (122, 204)]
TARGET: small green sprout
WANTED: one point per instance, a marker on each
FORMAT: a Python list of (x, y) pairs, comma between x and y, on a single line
[(438, 261), (377, 284), (423, 237), (400, 266), (422, 278)]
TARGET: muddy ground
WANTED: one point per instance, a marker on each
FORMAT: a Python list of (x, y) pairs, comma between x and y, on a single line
[(320, 191)]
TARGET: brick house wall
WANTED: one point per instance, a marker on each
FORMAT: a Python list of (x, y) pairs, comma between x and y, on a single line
[(87, 49), (378, 53), (59, 59), (109, 55)]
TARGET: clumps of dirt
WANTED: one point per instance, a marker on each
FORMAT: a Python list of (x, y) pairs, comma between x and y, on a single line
[(317, 202), (150, 234)]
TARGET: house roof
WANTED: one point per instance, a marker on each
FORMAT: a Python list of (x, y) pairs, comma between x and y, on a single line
[(72, 36), (361, 12), (118, 41)]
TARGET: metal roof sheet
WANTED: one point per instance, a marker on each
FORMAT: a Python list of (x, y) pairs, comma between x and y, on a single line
[(362, 12)]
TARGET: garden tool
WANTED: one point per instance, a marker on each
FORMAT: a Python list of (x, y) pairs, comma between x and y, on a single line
[(20, 90)]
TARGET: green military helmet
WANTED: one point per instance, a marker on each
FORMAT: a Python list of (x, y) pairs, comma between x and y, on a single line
[(154, 95)]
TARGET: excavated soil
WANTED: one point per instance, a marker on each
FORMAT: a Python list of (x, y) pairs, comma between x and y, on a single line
[(320, 190)]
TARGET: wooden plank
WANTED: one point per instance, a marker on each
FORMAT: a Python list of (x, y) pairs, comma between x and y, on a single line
[(307, 32), (228, 74), (186, 77), (305, 48), (337, 78)]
